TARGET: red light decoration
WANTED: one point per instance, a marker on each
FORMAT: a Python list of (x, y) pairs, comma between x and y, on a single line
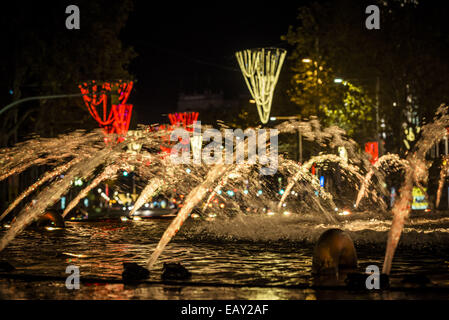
[(114, 115), (372, 148), (122, 118), (184, 119)]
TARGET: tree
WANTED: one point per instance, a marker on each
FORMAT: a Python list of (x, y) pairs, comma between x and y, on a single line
[(313, 87), (41, 57), (400, 67), (45, 58)]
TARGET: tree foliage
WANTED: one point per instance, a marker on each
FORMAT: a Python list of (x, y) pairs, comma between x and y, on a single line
[(45, 58), (407, 58)]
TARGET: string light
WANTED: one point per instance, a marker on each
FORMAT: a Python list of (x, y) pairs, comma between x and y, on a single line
[(261, 68), (115, 115)]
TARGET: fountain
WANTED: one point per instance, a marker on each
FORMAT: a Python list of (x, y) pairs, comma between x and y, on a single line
[(87, 156), (416, 172)]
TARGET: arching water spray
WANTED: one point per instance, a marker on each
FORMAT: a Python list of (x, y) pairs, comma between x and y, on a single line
[(40, 151), (108, 173), (380, 162), (401, 210), (51, 194), (416, 171), (22, 168), (220, 185), (194, 197), (147, 193), (303, 173), (37, 184), (443, 174)]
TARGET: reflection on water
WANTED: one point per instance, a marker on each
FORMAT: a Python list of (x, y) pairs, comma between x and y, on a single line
[(99, 249)]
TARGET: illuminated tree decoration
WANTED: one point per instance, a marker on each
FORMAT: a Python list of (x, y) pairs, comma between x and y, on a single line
[(186, 119), (261, 68), (113, 115)]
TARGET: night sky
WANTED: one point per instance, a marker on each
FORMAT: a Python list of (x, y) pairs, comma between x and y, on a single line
[(190, 48)]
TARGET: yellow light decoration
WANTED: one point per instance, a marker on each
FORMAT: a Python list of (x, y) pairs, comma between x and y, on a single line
[(261, 68)]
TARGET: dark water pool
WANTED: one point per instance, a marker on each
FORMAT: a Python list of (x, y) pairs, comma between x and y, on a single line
[(222, 269)]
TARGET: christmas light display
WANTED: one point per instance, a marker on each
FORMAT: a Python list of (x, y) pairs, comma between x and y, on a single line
[(113, 114), (372, 148), (184, 119), (261, 68), (122, 117)]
